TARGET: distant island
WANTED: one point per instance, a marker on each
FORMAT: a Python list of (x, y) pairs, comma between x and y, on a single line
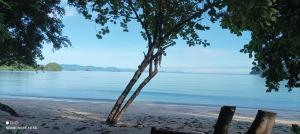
[(74, 67), (63, 67), (52, 67), (48, 67)]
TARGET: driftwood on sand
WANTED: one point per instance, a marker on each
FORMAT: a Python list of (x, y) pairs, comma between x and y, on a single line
[(155, 130), (8, 109)]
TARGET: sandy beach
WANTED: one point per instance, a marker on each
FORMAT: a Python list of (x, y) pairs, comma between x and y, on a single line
[(75, 117)]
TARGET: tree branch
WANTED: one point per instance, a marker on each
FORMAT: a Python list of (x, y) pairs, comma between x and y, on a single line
[(140, 20), (158, 26), (161, 15), (156, 62), (181, 23), (150, 67)]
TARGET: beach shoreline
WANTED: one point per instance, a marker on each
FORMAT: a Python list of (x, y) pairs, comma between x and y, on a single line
[(63, 116)]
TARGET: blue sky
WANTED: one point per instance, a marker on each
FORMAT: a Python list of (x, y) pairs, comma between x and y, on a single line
[(125, 49)]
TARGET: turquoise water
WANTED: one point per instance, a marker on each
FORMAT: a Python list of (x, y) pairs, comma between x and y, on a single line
[(241, 90)]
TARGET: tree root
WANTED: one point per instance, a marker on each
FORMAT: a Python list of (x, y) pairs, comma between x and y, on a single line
[(8, 109)]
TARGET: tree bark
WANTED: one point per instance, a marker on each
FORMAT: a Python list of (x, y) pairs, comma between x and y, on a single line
[(8, 109), (136, 76), (263, 123), (126, 91), (224, 119), (133, 96)]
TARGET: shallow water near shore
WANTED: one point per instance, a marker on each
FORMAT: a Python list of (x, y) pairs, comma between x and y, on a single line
[(241, 90)]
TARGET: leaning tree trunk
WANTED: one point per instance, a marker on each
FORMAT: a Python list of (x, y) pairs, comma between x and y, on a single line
[(156, 42), (225, 117), (263, 123), (149, 60), (119, 102), (134, 95), (8, 109), (115, 110)]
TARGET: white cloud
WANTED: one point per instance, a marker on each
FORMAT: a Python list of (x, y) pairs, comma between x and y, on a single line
[(70, 11)]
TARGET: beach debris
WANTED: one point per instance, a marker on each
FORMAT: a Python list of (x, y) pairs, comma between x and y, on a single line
[(155, 130), (8, 109), (56, 128), (105, 131), (81, 128), (139, 125)]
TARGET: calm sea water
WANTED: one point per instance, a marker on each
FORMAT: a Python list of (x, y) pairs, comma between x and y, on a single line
[(241, 90)]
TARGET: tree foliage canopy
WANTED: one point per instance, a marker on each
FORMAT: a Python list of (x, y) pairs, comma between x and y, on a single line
[(275, 36), (274, 27), (161, 20), (25, 26)]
